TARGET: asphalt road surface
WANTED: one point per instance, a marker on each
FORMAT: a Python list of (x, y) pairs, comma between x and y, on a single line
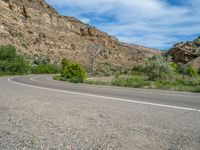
[(39, 113)]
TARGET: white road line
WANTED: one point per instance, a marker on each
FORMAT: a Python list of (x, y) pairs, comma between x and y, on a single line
[(164, 93), (105, 97)]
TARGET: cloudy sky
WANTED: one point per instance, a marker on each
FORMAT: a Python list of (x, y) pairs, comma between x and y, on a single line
[(152, 23)]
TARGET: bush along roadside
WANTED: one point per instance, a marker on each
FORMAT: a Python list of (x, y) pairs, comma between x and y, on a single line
[(12, 63), (71, 71), (45, 69), (42, 65), (158, 73), (161, 73)]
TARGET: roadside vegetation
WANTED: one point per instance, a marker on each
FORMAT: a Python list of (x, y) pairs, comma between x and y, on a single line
[(12, 63), (41, 65), (71, 71), (158, 72)]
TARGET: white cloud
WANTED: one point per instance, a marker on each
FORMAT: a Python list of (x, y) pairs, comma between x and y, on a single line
[(153, 23), (85, 20)]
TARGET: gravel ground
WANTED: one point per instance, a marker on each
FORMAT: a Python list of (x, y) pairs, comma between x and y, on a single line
[(40, 119)]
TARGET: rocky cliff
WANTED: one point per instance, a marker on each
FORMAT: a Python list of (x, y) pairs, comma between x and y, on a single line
[(186, 53), (34, 27)]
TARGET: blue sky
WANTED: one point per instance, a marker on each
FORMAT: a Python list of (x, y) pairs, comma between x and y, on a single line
[(151, 23)]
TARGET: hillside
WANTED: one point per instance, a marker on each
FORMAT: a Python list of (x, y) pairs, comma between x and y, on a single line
[(186, 53), (34, 27)]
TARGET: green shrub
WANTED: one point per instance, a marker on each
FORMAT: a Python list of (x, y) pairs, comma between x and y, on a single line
[(191, 71), (7, 52), (108, 73), (12, 63), (157, 68), (98, 73), (187, 70), (97, 82), (173, 66), (137, 70), (19, 66), (117, 74), (45, 69), (181, 69), (133, 81), (37, 60), (72, 71)]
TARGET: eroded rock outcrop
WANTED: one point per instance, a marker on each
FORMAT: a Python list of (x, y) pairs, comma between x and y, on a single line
[(186, 53)]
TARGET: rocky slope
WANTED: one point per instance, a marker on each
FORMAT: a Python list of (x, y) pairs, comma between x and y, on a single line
[(34, 27), (186, 53)]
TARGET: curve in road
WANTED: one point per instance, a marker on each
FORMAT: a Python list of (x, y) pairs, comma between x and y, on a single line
[(155, 98)]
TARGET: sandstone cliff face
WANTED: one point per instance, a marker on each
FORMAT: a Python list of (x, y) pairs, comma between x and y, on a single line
[(186, 53), (36, 28)]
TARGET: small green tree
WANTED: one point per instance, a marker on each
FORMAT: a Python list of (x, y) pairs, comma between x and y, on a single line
[(11, 62), (7, 52), (19, 66), (72, 71)]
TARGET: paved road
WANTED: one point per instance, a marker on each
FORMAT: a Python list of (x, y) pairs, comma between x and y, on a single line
[(39, 113)]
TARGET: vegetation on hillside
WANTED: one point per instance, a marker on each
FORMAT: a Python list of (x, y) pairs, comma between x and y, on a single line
[(12, 63), (196, 45)]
